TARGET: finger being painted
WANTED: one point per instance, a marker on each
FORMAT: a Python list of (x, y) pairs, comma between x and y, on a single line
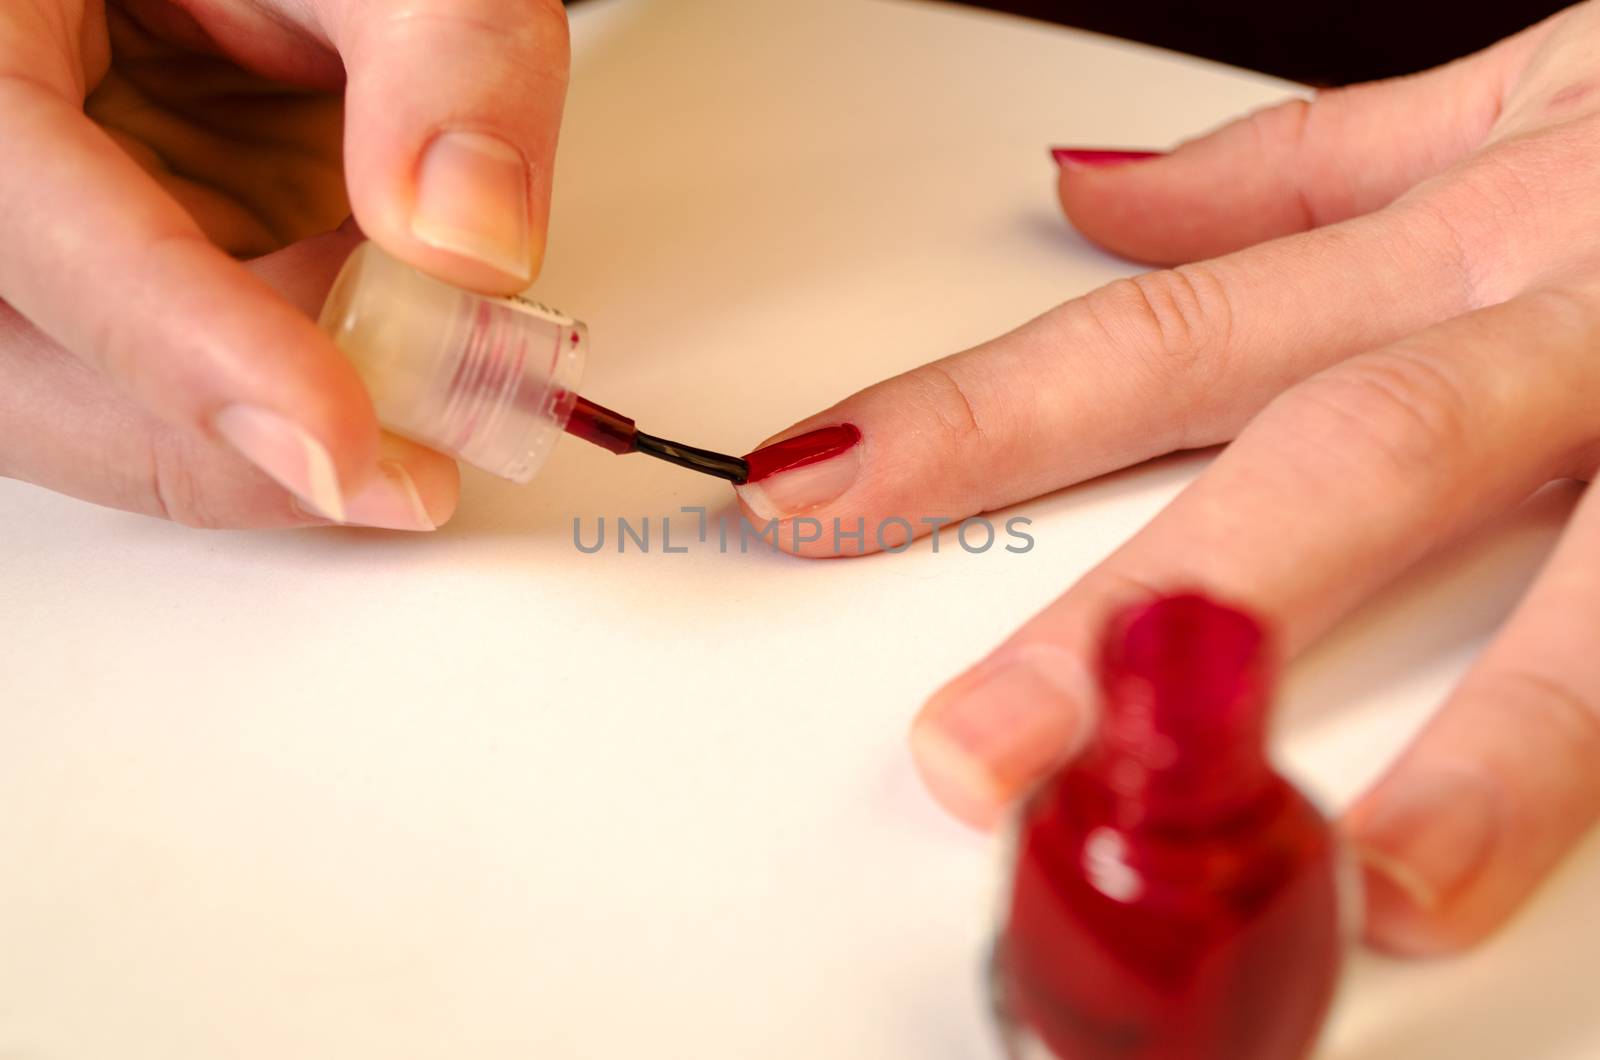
[(1167, 361)]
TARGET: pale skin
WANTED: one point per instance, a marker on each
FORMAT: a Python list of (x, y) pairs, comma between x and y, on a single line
[(151, 144), (1387, 300)]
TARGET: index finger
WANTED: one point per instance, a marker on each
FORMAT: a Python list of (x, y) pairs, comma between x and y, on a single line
[(1145, 366)]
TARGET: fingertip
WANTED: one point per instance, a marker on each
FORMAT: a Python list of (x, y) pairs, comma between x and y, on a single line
[(1096, 193), (414, 489), (987, 737), (1426, 839), (1144, 206), (482, 233), (1087, 158), (1233, 187), (314, 385), (957, 781), (435, 477), (1400, 917), (795, 478), (288, 452), (339, 413), (472, 220), (754, 506), (452, 172)]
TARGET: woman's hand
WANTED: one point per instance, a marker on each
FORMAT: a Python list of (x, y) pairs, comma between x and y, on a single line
[(1394, 311), (150, 143)]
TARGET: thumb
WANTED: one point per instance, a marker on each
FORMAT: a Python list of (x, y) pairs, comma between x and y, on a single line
[(452, 110), (1292, 167)]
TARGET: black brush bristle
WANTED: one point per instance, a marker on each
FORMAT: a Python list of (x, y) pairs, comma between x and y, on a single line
[(718, 465)]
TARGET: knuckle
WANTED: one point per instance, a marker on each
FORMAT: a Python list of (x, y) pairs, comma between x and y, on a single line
[(1285, 131), (543, 20), (539, 30), (122, 352), (1478, 217), (975, 420), (963, 422), (174, 487), (1174, 326), (547, 12), (1443, 230), (948, 402), (1283, 122), (1408, 411), (522, 28)]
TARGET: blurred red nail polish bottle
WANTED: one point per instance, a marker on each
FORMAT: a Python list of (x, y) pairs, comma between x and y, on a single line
[(1172, 897)]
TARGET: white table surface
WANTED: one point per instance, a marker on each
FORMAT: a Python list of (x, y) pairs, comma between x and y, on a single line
[(355, 794)]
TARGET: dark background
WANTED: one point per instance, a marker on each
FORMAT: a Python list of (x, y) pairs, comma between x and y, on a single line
[(1324, 43), (1327, 42)]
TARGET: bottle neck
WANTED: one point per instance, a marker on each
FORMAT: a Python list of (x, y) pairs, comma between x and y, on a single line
[(1157, 777), (1183, 733)]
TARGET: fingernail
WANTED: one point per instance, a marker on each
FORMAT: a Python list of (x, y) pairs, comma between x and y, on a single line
[(390, 502), (472, 200), (799, 473), (287, 453), (983, 746), (1098, 157), (1430, 835)]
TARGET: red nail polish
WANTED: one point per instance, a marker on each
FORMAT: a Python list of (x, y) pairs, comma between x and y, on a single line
[(1099, 158), (813, 447), (1172, 897)]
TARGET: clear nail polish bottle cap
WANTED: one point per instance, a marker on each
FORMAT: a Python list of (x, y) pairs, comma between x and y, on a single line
[(488, 380)]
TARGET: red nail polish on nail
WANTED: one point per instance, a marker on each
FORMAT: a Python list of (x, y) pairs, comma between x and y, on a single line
[(1172, 896), (1099, 158), (813, 447)]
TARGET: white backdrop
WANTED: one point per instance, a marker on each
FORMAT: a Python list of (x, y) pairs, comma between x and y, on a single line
[(357, 794)]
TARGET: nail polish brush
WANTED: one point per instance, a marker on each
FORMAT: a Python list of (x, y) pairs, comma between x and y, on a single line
[(489, 380), (616, 432)]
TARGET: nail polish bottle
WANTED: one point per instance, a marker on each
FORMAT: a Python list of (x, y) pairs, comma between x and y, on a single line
[(1171, 897), (492, 381)]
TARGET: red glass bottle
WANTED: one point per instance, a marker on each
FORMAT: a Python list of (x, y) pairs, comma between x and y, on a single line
[(1172, 897)]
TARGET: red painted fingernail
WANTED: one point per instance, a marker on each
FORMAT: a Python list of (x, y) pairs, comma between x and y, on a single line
[(1098, 157), (813, 447), (800, 474)]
